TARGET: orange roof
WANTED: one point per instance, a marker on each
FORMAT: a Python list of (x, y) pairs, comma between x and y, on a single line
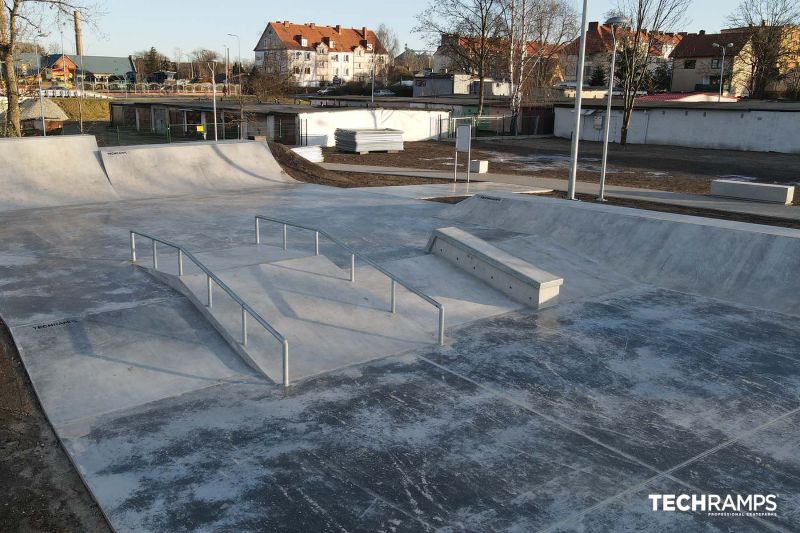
[(336, 38), (599, 39)]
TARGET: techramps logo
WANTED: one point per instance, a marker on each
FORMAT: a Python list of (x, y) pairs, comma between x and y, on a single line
[(717, 504)]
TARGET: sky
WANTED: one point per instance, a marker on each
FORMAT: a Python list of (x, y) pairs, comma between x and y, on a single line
[(130, 26)]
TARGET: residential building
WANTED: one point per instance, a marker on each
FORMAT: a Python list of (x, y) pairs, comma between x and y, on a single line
[(697, 63), (600, 43), (414, 60), (319, 55), (433, 84), (96, 69)]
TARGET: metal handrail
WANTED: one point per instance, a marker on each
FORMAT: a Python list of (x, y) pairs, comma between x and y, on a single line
[(353, 255), (211, 279)]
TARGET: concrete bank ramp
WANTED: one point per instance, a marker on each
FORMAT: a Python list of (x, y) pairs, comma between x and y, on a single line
[(749, 264), (49, 171), (187, 168)]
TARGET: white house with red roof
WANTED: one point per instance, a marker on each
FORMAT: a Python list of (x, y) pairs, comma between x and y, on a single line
[(320, 55)]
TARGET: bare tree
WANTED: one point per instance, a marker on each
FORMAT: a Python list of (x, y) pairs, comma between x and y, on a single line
[(534, 32), (388, 38), (468, 31), (649, 18), (772, 32), (17, 18)]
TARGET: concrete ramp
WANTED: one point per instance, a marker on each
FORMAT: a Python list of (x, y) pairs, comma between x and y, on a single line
[(56, 170), (748, 264), (177, 169)]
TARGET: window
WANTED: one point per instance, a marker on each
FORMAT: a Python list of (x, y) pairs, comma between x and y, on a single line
[(336, 72), (715, 63), (308, 56), (347, 72), (369, 46), (298, 55), (587, 71), (308, 70), (335, 57), (689, 64), (297, 70), (347, 58), (303, 42)]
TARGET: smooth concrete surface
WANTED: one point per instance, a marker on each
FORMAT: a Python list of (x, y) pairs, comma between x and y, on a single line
[(665, 368), (612, 191), (733, 261), (760, 192), (56, 170), (517, 279), (190, 168)]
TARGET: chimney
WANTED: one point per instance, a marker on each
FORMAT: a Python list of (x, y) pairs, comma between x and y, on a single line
[(285, 23), (764, 23), (338, 29), (311, 24), (364, 32), (593, 26), (702, 32), (78, 36)]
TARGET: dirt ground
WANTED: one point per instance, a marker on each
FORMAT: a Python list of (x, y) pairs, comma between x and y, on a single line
[(40, 490), (667, 168)]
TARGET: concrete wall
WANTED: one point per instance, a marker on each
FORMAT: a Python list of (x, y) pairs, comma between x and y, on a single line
[(417, 125), (760, 131)]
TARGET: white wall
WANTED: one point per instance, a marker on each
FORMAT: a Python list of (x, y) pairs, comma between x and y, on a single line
[(416, 124), (759, 131)]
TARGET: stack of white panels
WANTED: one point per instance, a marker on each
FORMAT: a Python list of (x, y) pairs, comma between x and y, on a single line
[(310, 153), (364, 141)]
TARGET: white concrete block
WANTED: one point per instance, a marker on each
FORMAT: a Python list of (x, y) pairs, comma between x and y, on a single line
[(478, 166), (512, 276), (761, 192)]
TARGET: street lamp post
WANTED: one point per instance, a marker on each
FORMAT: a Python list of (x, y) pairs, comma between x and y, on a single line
[(613, 22), (241, 95), (573, 169), (39, 79), (212, 65), (721, 68)]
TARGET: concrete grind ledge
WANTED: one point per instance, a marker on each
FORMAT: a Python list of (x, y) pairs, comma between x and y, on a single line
[(761, 192), (512, 276)]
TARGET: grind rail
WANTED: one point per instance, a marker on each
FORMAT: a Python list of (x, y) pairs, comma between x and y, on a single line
[(211, 280), (353, 255)]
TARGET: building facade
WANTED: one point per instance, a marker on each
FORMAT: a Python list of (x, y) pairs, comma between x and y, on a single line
[(315, 55)]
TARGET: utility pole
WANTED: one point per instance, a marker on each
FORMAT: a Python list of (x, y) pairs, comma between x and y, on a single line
[(79, 52), (39, 80), (213, 66), (241, 93), (576, 132), (721, 68)]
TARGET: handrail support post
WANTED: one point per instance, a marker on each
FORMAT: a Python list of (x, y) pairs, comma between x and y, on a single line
[(244, 327), (441, 325), (180, 262), (394, 293), (133, 247), (316, 243), (210, 297), (284, 238), (285, 364), (258, 231), (155, 256)]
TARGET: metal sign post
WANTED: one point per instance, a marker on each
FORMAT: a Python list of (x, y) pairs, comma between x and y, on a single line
[(463, 144)]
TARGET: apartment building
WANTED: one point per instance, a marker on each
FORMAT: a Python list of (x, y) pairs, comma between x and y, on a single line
[(320, 55)]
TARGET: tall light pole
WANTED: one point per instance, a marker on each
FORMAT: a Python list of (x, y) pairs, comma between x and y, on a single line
[(613, 22), (39, 78), (241, 94), (576, 132), (212, 65), (721, 68)]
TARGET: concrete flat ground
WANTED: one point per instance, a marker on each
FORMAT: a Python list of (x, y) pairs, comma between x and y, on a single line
[(556, 420)]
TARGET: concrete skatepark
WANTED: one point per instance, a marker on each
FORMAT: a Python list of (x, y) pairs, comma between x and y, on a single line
[(668, 363)]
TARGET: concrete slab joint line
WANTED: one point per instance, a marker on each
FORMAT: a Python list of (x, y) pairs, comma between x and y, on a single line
[(206, 309), (512, 276), (353, 255)]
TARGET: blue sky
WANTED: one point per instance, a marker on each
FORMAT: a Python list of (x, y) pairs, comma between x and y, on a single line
[(130, 26)]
